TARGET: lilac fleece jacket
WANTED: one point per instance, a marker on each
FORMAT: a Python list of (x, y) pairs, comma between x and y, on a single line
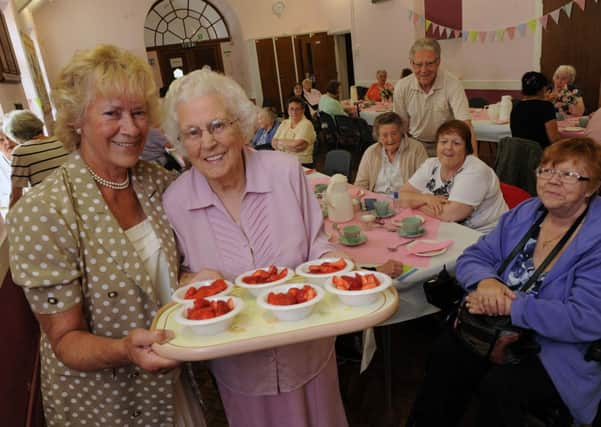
[(566, 314)]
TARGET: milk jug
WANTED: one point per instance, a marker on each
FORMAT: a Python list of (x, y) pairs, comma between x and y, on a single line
[(505, 110), (340, 204)]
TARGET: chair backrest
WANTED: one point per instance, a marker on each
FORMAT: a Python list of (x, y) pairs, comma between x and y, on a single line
[(348, 131), (361, 91), (327, 132), (477, 102), (338, 161), (327, 122), (517, 158), (513, 195)]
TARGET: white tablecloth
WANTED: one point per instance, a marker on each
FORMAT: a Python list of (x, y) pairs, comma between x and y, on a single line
[(489, 131)]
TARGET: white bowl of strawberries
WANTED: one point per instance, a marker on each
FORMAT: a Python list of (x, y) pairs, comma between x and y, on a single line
[(293, 301), (318, 271), (209, 316), (256, 281), (358, 287), (203, 289)]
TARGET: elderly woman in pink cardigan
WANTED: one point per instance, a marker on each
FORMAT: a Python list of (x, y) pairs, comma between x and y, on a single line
[(390, 162), (236, 210)]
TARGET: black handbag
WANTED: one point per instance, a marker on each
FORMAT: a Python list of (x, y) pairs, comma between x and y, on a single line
[(443, 291), (494, 337)]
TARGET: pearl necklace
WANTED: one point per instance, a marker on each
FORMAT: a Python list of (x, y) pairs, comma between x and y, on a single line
[(109, 184)]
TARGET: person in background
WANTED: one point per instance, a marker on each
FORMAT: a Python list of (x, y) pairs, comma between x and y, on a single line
[(329, 102), (296, 134), (456, 186), (563, 311), (6, 154), (297, 91), (311, 94), (406, 72), (237, 210), (593, 126), (429, 98), (390, 162), (35, 156), (96, 257), (155, 150), (533, 117), (268, 125), (374, 93), (566, 97)]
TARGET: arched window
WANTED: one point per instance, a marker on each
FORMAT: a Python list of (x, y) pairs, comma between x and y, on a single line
[(183, 22)]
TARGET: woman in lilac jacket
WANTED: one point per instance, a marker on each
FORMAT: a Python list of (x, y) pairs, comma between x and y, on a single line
[(236, 210), (564, 312)]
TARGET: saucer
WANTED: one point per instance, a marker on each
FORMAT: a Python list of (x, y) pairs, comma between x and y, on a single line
[(391, 212), (362, 239), (420, 232)]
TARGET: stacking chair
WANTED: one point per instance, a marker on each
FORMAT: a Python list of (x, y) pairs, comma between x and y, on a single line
[(516, 160), (361, 91), (338, 161), (513, 195), (349, 134), (327, 134)]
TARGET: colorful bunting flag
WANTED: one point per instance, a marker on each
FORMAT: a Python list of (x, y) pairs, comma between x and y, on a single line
[(465, 35), (415, 18), (522, 29), (581, 4), (543, 21), (532, 25), (500, 35), (428, 23), (410, 14), (567, 8), (448, 32), (457, 33), (555, 15), (510, 32), (482, 36)]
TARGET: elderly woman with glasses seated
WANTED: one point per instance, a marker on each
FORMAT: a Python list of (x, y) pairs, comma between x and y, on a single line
[(562, 309), (238, 209), (390, 162), (296, 134)]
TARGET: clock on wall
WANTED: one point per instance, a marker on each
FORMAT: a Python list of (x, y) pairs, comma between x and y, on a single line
[(278, 8)]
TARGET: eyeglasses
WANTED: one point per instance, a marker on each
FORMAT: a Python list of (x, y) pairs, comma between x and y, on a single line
[(215, 128), (567, 177), (426, 64)]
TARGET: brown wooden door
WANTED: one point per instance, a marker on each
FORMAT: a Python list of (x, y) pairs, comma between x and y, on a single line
[(188, 59), (575, 42), (269, 76), (283, 46), (315, 55)]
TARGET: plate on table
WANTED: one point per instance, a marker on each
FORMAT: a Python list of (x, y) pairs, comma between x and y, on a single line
[(573, 129), (419, 232), (343, 241), (426, 254)]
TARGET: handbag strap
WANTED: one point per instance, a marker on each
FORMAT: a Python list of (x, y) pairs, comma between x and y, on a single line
[(531, 283)]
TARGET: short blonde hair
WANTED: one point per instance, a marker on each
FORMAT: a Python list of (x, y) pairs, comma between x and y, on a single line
[(206, 82), (106, 71), (566, 70)]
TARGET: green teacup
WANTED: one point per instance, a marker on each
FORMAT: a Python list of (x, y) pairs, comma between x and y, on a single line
[(582, 122), (351, 233), (411, 224), (320, 188), (382, 207)]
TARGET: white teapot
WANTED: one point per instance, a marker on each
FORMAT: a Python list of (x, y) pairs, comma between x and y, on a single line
[(340, 204)]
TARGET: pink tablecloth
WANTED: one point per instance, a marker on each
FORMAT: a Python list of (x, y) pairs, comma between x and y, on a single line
[(378, 239)]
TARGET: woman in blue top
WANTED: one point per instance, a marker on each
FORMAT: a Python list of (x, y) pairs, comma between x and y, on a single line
[(268, 125), (564, 312)]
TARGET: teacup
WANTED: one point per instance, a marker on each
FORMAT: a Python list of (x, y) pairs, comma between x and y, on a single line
[(382, 207), (582, 122), (320, 188), (411, 224), (351, 233)]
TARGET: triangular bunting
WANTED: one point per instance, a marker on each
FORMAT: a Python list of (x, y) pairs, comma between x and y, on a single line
[(567, 8), (532, 24), (491, 35), (473, 36), (482, 36), (465, 35), (422, 20), (543, 21), (510, 32), (522, 29), (500, 35), (448, 31), (581, 3), (428, 23), (457, 33), (434, 28), (415, 18), (410, 14), (555, 15)]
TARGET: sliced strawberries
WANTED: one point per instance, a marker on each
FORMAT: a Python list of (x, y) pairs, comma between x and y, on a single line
[(204, 309), (358, 282), (292, 296), (213, 288), (327, 267), (265, 276)]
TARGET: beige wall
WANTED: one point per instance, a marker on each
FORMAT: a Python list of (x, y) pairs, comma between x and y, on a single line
[(10, 93)]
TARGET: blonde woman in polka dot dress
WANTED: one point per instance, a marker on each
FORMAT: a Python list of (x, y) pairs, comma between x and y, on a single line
[(92, 248), (237, 209)]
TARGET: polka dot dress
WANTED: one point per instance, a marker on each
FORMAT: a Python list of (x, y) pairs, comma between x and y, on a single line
[(66, 248)]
